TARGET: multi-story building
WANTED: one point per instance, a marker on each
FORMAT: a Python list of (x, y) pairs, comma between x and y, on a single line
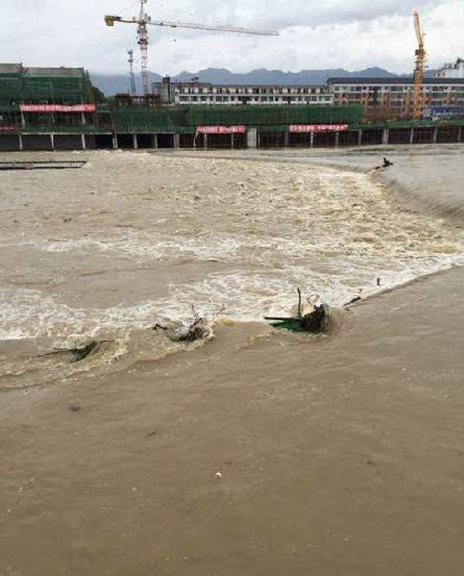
[(32, 96), (234, 94), (451, 70), (389, 98)]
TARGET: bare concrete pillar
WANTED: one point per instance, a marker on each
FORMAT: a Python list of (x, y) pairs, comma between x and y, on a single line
[(337, 139), (411, 136), (83, 120), (286, 139), (385, 136), (155, 140), (311, 141), (136, 142), (52, 141), (23, 120), (232, 140), (360, 137), (205, 141), (115, 141), (21, 144), (252, 138), (176, 141), (84, 145), (435, 135)]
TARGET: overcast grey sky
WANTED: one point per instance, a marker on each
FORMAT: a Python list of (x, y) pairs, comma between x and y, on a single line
[(352, 34)]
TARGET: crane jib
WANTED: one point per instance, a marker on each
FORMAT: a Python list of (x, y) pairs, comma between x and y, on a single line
[(214, 28)]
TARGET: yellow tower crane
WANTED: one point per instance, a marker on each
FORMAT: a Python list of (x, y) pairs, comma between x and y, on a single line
[(143, 20), (419, 69)]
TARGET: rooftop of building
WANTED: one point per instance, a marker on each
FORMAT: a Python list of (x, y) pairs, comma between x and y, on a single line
[(10, 68), (236, 85), (39, 72), (456, 64), (394, 80)]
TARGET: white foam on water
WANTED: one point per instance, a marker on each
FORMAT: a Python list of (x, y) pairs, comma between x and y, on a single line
[(274, 228), (244, 295), (30, 314), (155, 247)]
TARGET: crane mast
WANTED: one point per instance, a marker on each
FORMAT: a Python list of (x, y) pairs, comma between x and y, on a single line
[(419, 69), (144, 19), (142, 34), (130, 59)]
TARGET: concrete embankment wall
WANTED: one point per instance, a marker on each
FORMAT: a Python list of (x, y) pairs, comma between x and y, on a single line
[(253, 138)]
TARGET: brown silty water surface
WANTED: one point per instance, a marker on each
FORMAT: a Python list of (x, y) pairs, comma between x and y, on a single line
[(259, 452)]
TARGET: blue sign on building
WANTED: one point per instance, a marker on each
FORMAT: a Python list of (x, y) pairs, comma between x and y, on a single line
[(443, 112)]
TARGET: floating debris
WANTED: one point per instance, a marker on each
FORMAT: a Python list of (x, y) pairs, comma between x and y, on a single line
[(75, 407), (356, 298), (386, 163), (79, 353), (195, 328), (313, 321)]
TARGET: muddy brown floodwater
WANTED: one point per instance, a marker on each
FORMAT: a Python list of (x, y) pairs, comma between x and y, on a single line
[(259, 451)]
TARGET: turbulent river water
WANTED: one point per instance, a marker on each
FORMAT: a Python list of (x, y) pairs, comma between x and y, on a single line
[(338, 429), (134, 238)]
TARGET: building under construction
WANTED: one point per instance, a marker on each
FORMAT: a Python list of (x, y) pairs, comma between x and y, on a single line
[(33, 100), (56, 109), (44, 85)]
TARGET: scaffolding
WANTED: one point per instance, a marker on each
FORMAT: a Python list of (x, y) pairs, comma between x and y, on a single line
[(185, 119), (19, 84)]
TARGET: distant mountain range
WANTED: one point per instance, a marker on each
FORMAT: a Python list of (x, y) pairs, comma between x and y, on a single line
[(111, 84)]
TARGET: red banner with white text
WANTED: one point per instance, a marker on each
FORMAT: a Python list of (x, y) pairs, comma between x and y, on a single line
[(318, 127), (221, 129), (56, 108)]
